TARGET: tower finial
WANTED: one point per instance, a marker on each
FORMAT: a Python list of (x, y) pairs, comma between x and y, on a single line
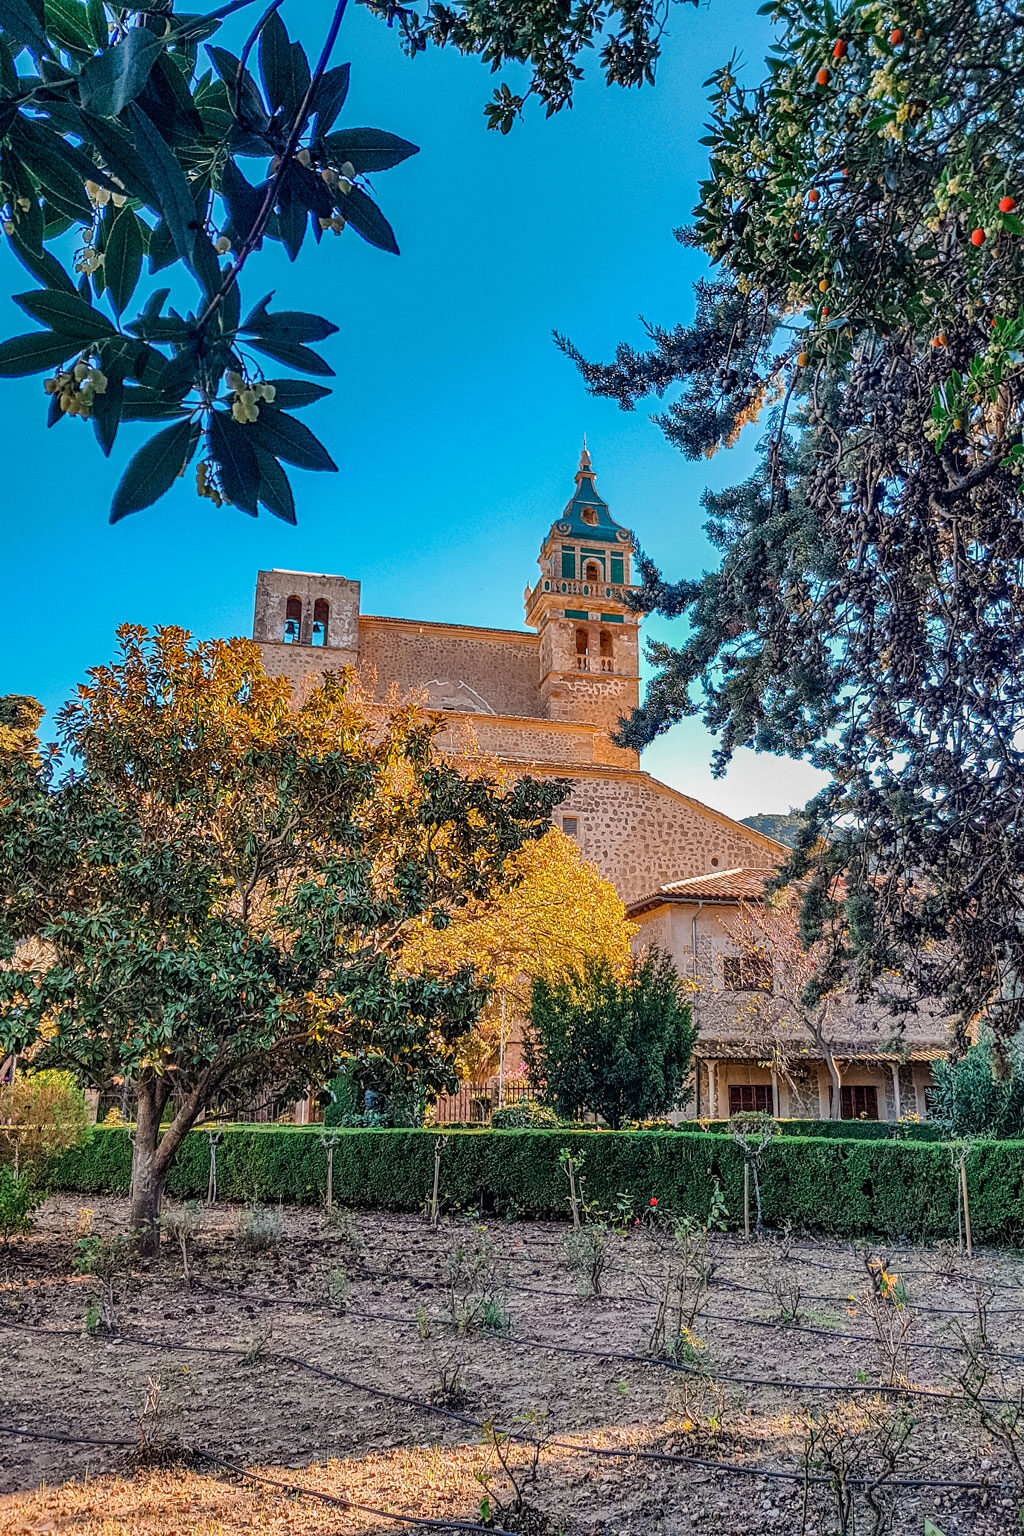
[(584, 457)]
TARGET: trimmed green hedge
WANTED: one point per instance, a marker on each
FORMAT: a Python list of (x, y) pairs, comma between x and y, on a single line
[(843, 1187), (846, 1130)]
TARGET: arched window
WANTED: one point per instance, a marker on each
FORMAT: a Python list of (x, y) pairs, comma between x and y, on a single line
[(591, 571), (582, 650), (293, 621), (321, 615), (606, 651)]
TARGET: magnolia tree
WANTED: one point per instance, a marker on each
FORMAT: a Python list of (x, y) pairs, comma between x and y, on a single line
[(556, 915), (222, 887), (862, 210)]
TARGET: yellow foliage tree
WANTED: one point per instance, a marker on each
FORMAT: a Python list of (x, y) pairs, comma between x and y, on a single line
[(558, 914)]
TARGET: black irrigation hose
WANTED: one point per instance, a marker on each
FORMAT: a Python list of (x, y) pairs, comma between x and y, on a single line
[(270, 1299), (295, 1489), (615, 1453), (465, 1419)]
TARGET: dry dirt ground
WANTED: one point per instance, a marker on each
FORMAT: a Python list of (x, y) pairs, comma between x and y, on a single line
[(261, 1364)]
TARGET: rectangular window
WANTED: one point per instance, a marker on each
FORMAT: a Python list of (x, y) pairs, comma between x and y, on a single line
[(859, 1103), (568, 564), (617, 570), (747, 973), (570, 826), (611, 618), (747, 1097), (576, 613)]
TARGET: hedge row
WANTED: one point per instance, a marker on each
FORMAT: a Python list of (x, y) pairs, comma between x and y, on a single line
[(843, 1187), (850, 1130)]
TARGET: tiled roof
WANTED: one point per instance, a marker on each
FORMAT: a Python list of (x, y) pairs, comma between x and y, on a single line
[(731, 885)]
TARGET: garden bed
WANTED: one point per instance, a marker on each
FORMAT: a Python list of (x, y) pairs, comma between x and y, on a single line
[(257, 1366)]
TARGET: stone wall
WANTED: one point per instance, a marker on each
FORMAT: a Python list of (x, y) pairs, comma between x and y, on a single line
[(501, 666), (303, 664)]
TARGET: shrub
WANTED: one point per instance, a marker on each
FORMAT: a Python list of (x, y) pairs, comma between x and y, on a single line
[(48, 1114), (842, 1130), (527, 1114), (17, 1199), (260, 1228), (615, 1045), (843, 1186), (973, 1102)]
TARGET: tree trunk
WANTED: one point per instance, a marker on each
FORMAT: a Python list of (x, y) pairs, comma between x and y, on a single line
[(836, 1112), (147, 1174)]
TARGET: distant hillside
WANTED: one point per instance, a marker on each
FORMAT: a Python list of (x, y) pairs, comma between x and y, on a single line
[(782, 825)]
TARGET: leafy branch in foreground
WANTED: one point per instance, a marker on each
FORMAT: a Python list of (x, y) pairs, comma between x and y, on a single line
[(867, 612), (113, 126)]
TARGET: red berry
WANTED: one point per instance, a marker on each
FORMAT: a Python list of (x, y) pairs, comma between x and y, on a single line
[(813, 195), (1007, 204), (977, 237), (841, 49), (823, 77), (824, 311), (895, 37), (654, 1200)]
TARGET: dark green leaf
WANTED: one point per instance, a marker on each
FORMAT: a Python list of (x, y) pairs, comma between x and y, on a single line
[(291, 218), (41, 264), (288, 439), (75, 321), (293, 394), (106, 410), (153, 470), (140, 405), (177, 376), (57, 165), (112, 79), (244, 202), (98, 23), (275, 492), (329, 98), (123, 158), (35, 352), (287, 325), (250, 101), (233, 447), (23, 24), (302, 359), (284, 68), (67, 23), (168, 180), (161, 247), (367, 220), (369, 149), (173, 108), (122, 259)]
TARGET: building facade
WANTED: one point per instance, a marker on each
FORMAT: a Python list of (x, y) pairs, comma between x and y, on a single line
[(544, 700)]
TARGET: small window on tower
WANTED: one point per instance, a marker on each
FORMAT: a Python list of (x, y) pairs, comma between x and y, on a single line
[(321, 617), (292, 621), (570, 826), (591, 571), (589, 515), (617, 571), (569, 564)]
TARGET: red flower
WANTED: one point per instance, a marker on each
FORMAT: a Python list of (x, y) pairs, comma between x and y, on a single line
[(653, 1200)]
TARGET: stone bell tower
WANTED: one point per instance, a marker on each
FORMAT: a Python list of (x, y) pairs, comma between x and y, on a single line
[(589, 651)]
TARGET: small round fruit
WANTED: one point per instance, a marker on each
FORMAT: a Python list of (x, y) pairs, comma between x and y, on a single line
[(1007, 204), (801, 359), (814, 196), (841, 48), (977, 237), (823, 286), (824, 311), (823, 77), (896, 37)]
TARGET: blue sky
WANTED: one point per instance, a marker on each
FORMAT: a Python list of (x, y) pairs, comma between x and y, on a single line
[(455, 421)]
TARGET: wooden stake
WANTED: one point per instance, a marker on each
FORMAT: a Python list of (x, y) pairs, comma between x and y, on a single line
[(746, 1201), (438, 1147), (967, 1209), (330, 1177)]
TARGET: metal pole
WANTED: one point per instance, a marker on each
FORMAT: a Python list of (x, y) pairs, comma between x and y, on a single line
[(501, 1056)]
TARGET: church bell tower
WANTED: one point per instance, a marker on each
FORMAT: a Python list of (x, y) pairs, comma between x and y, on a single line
[(589, 669)]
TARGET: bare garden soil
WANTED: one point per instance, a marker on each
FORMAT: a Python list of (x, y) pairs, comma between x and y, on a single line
[(264, 1363)]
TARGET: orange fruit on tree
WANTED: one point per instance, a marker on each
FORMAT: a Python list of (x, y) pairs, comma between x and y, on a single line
[(801, 359), (823, 77), (1007, 204), (977, 237), (896, 37), (814, 195), (823, 285), (841, 48)]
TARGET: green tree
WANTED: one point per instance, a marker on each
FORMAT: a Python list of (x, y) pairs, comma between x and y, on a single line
[(617, 1045), (221, 888), (868, 608)]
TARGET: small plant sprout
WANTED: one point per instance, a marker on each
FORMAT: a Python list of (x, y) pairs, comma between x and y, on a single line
[(476, 1284), (182, 1227), (517, 1452), (885, 1302), (108, 1260), (338, 1287), (585, 1253), (260, 1229)]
